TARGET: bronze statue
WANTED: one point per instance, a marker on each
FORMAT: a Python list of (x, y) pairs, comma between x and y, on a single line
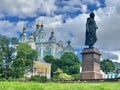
[(91, 27)]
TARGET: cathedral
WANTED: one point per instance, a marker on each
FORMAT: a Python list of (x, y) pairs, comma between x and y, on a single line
[(44, 47)]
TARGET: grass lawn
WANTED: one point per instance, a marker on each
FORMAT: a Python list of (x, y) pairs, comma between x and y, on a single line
[(59, 86)]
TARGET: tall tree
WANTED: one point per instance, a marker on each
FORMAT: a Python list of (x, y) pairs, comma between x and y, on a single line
[(14, 40), (5, 56), (24, 59), (49, 59), (4, 45), (107, 65), (69, 63), (53, 61)]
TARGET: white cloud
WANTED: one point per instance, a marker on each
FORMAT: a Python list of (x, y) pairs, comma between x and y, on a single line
[(90, 1), (109, 55), (84, 8), (50, 22), (98, 4), (76, 27), (10, 29), (70, 6), (25, 8), (108, 22), (118, 54)]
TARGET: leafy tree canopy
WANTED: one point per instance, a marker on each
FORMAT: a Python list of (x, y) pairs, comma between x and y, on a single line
[(70, 63), (24, 59), (107, 65), (14, 40), (49, 59)]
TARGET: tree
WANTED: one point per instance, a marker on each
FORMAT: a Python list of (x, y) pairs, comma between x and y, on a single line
[(53, 61), (69, 63), (14, 41), (24, 59), (4, 48), (107, 65), (49, 59), (5, 56)]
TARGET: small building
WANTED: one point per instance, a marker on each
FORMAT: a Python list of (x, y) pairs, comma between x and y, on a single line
[(42, 68)]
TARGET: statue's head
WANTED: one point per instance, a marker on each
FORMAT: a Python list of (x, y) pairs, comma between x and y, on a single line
[(92, 15)]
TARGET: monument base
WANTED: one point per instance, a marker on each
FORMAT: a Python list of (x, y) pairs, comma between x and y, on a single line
[(90, 75), (90, 64)]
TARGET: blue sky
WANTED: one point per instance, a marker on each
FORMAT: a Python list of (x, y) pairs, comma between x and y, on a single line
[(67, 18)]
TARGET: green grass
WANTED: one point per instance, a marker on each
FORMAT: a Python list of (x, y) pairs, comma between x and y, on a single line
[(59, 86)]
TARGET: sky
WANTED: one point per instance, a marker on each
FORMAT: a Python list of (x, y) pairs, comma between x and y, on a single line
[(67, 18)]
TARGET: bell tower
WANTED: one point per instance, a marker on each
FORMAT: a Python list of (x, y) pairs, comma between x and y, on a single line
[(40, 33)]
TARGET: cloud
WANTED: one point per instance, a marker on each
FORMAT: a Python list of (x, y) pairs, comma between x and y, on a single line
[(67, 7), (36, 8), (118, 54), (11, 29), (25, 8), (109, 55), (84, 8), (112, 55), (92, 2), (108, 22), (75, 26)]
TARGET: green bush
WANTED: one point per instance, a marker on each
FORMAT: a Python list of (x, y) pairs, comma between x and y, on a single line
[(64, 76), (75, 76), (3, 79), (10, 79), (43, 79), (60, 76), (37, 78)]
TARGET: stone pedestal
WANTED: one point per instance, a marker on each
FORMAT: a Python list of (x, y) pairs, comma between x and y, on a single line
[(90, 64)]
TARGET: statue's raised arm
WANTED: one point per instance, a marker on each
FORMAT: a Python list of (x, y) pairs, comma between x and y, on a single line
[(91, 27)]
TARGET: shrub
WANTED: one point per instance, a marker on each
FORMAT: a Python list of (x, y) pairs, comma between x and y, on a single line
[(37, 78), (3, 79), (43, 79), (64, 76), (59, 75), (11, 79), (75, 76)]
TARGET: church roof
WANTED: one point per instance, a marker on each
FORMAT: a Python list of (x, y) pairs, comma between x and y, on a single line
[(52, 37), (41, 30), (31, 38), (69, 48), (24, 32), (23, 36)]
